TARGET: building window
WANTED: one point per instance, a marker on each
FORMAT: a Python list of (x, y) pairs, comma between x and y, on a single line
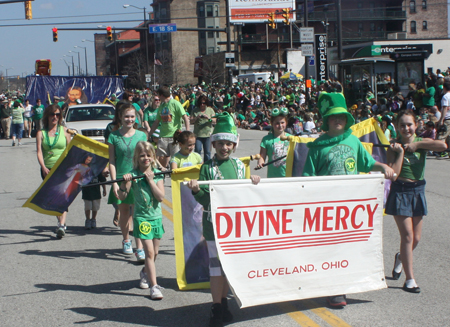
[(217, 33), (201, 11), (412, 7), (216, 11), (372, 27), (210, 50), (413, 26), (209, 11), (424, 5), (360, 27), (424, 25), (210, 34)]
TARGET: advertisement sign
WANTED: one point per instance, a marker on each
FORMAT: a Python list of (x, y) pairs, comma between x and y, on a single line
[(321, 57), (257, 11), (297, 238)]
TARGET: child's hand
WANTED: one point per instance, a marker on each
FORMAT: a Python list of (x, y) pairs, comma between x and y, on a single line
[(127, 177), (193, 185), (104, 192), (396, 147), (255, 179), (149, 174), (410, 147), (260, 163), (388, 172)]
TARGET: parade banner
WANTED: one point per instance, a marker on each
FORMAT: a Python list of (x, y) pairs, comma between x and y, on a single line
[(80, 163), (73, 90), (367, 131), (192, 260), (297, 238)]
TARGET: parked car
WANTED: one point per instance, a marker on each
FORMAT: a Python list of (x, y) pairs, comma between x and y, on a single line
[(90, 119)]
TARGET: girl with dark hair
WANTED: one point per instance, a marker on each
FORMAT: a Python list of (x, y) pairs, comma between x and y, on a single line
[(186, 157), (51, 142), (406, 200)]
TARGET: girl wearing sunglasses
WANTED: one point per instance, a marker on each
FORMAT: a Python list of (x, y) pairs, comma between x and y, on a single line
[(273, 147)]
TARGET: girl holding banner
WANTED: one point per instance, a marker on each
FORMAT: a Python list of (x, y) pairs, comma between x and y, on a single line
[(406, 200), (122, 143), (51, 142)]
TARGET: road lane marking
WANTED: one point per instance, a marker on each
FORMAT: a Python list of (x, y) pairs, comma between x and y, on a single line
[(326, 315), (298, 316)]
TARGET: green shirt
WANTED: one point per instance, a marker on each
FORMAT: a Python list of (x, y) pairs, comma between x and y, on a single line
[(181, 160), (428, 101), (203, 126), (124, 150), (150, 115), (341, 155), (275, 148), (17, 115), (414, 163), (145, 204), (38, 112), (50, 150), (170, 115)]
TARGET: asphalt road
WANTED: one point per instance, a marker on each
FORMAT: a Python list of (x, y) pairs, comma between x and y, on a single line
[(85, 279)]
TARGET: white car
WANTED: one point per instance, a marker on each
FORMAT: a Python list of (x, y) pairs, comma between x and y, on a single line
[(90, 119)]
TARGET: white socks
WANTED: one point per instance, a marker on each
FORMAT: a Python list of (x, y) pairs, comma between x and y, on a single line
[(398, 264), (410, 283)]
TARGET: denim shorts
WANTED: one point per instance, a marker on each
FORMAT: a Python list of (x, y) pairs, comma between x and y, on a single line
[(407, 199)]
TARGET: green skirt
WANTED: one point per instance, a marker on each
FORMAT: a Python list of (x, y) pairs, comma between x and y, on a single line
[(113, 200)]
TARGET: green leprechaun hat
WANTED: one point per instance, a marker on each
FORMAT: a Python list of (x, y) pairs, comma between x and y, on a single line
[(333, 103), (225, 128)]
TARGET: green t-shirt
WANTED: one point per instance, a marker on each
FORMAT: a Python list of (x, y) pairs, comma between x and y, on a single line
[(38, 112), (414, 163), (170, 115), (275, 149), (203, 126), (428, 101), (145, 205), (124, 150), (17, 115), (150, 115), (50, 151), (229, 170), (181, 160), (341, 155)]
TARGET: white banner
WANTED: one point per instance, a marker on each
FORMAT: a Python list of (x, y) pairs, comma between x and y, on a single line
[(297, 238), (256, 11)]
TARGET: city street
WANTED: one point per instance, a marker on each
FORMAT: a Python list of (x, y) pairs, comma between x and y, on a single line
[(85, 279)]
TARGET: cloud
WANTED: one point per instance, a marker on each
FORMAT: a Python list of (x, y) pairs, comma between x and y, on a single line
[(47, 6)]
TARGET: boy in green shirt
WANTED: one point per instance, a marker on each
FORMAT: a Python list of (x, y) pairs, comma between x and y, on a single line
[(221, 166), (338, 152)]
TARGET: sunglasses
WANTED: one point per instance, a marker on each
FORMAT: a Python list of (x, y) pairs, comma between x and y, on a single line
[(276, 112), (57, 114), (157, 100)]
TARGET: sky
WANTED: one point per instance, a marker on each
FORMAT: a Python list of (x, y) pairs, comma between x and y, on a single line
[(21, 46)]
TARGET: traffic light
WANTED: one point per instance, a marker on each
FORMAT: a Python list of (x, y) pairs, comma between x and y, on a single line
[(286, 15), (272, 20), (109, 33), (55, 34), (28, 12)]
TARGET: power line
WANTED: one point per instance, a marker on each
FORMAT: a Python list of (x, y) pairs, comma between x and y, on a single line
[(76, 16)]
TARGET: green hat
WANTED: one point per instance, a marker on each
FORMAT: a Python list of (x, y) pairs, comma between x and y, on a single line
[(225, 128), (333, 104)]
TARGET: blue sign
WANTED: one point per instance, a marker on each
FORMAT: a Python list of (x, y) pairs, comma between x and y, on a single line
[(162, 28), (311, 61)]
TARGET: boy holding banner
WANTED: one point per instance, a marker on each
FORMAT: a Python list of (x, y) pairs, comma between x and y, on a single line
[(338, 152), (222, 166)]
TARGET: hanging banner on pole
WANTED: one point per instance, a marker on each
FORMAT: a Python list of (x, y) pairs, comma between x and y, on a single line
[(321, 57), (297, 238)]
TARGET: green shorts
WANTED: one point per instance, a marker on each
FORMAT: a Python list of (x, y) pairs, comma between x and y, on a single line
[(148, 229), (113, 200)]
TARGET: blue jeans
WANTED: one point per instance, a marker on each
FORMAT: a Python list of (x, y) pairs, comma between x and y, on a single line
[(17, 130), (204, 142)]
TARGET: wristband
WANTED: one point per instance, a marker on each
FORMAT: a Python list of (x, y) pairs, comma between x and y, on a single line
[(124, 191)]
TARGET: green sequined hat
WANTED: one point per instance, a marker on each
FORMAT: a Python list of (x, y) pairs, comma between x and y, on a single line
[(333, 104), (225, 128)]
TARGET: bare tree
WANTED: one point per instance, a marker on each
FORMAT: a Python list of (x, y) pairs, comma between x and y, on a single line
[(212, 69), (135, 69)]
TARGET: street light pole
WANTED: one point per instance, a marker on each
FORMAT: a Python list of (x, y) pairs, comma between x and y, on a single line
[(85, 57), (73, 67), (68, 66), (79, 65), (146, 34), (7, 79)]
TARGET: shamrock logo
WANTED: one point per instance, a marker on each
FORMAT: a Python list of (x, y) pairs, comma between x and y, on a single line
[(324, 105)]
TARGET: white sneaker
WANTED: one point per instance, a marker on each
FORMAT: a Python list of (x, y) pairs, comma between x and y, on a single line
[(143, 283), (155, 292)]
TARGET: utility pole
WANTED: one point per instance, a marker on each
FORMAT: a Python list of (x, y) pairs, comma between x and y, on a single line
[(306, 77), (339, 40), (230, 72)]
